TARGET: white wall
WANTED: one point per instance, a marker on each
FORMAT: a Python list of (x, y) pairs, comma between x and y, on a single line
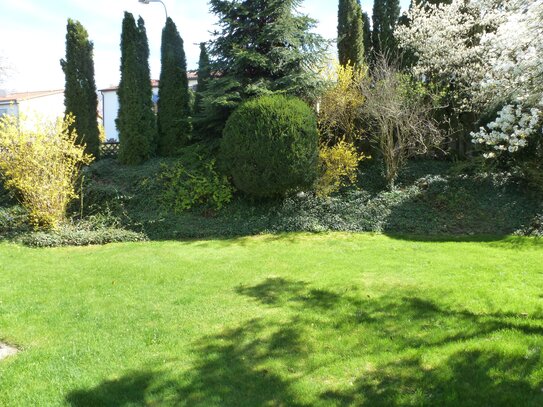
[(48, 107), (110, 109)]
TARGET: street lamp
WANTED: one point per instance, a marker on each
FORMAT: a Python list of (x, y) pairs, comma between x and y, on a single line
[(155, 1)]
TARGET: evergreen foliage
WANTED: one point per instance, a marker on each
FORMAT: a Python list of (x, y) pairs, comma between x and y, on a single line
[(350, 39), (367, 36), (385, 18), (80, 98), (270, 146), (173, 123), (204, 76), (262, 47), (136, 119)]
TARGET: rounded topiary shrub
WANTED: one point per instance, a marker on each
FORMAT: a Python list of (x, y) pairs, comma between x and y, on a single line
[(270, 146)]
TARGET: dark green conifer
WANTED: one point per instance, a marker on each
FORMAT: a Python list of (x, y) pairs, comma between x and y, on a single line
[(173, 93), (80, 98), (204, 76), (261, 47), (350, 39), (367, 36), (136, 119), (385, 18)]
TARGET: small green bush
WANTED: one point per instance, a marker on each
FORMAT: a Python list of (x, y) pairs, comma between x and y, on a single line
[(270, 146), (201, 185), (96, 229), (75, 236)]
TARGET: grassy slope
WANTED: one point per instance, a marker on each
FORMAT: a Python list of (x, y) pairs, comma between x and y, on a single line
[(275, 320)]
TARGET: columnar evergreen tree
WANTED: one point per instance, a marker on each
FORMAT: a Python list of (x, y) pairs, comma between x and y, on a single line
[(173, 93), (392, 15), (148, 108), (204, 76), (80, 98), (385, 18), (136, 120), (350, 39), (262, 47), (378, 17), (367, 36)]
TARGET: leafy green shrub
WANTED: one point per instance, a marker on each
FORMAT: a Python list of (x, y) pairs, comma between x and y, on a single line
[(270, 146), (95, 229), (184, 188), (76, 236)]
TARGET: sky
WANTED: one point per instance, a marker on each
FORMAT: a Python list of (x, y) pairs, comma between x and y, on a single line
[(32, 34)]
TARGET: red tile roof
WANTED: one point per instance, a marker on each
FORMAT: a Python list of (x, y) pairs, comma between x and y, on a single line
[(16, 97)]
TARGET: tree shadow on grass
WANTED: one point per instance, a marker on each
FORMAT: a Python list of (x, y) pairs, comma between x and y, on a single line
[(129, 390), (419, 351), (466, 378)]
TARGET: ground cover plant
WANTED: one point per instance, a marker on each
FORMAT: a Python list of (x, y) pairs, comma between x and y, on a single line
[(432, 198), (325, 319)]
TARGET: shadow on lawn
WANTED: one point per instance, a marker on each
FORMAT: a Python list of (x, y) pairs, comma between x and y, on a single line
[(281, 359)]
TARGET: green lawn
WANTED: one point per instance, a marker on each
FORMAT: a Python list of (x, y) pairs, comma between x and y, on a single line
[(292, 320)]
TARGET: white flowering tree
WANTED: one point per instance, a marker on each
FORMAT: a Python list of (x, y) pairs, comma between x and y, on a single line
[(493, 53)]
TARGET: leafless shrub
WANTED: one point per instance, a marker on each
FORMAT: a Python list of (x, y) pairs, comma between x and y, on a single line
[(399, 113)]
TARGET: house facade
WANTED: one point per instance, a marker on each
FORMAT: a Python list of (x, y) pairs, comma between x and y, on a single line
[(110, 104), (47, 104)]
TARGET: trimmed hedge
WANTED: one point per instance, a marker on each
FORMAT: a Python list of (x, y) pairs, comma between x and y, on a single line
[(270, 146)]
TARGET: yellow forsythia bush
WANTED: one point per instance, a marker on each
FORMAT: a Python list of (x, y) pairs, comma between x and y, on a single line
[(339, 167), (340, 104), (40, 161)]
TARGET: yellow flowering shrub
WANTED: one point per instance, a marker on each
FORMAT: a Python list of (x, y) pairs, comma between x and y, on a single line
[(339, 167), (40, 161), (340, 104)]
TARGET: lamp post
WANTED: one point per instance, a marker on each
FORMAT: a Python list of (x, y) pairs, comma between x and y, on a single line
[(156, 1)]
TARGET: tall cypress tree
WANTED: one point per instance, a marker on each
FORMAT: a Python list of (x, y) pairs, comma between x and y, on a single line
[(367, 36), (350, 39), (135, 121), (173, 93), (148, 112), (385, 18), (378, 17), (80, 98), (392, 15), (204, 76)]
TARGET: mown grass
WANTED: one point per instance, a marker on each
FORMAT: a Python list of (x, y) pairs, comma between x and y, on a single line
[(295, 319)]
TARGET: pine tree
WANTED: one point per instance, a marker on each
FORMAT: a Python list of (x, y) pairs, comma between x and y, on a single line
[(204, 76), (350, 39), (80, 98), (173, 93), (135, 120), (262, 47)]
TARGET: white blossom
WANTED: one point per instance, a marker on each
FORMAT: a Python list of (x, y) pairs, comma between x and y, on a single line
[(493, 50)]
